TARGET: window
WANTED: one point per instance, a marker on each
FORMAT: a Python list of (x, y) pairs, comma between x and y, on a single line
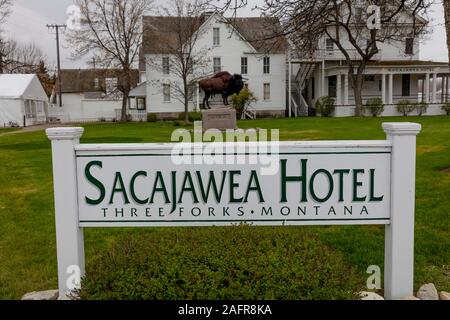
[(329, 45), (30, 109), (244, 65), (166, 65), (266, 65), (140, 103), (409, 46), (369, 78), (166, 92), (246, 86), (111, 85), (216, 36), (217, 64), (406, 85), (266, 91), (96, 83), (332, 86)]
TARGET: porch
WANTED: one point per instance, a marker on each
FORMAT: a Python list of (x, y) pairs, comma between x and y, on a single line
[(391, 81)]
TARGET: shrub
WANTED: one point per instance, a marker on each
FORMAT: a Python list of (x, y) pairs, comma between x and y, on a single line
[(325, 106), (446, 108), (375, 106), (240, 262), (405, 107), (242, 101), (192, 116), (179, 123), (151, 117), (421, 108)]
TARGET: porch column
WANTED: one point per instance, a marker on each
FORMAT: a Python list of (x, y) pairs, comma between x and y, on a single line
[(324, 92), (427, 88), (346, 89), (338, 90), (434, 100), (290, 85), (383, 88), (442, 88), (198, 98), (446, 89), (391, 89)]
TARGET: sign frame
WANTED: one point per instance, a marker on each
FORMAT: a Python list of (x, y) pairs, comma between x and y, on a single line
[(399, 230)]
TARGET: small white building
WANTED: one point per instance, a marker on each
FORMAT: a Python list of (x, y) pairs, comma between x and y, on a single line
[(23, 100), (88, 95), (232, 45)]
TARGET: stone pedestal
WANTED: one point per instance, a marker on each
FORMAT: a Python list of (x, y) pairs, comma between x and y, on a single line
[(219, 118)]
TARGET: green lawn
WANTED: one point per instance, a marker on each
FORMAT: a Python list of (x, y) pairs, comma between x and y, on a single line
[(27, 232)]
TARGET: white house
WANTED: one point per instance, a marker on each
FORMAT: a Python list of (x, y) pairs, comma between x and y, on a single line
[(395, 73), (88, 95), (225, 45), (23, 100)]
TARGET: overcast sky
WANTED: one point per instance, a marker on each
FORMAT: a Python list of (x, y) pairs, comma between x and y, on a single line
[(29, 18)]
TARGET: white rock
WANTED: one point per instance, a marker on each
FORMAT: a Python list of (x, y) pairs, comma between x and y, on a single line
[(367, 295), (410, 298), (444, 295), (41, 295), (428, 292)]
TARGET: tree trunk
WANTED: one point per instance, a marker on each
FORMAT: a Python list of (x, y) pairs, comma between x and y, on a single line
[(357, 91), (124, 116), (186, 101), (126, 93), (357, 83)]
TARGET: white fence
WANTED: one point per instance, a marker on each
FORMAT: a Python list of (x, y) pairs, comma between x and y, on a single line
[(133, 115), (85, 111)]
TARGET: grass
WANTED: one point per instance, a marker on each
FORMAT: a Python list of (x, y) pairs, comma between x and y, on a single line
[(27, 241)]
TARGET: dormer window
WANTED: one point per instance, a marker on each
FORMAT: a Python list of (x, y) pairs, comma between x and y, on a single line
[(329, 45), (409, 46), (216, 36)]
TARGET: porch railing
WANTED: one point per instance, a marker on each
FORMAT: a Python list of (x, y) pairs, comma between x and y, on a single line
[(133, 115)]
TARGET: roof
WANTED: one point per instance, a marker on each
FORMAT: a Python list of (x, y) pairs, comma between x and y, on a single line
[(407, 63), (261, 32), (14, 86), (84, 80), (140, 90)]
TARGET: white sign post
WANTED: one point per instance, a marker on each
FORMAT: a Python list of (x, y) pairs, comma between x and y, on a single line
[(315, 183)]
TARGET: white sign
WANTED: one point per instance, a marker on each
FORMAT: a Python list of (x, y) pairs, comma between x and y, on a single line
[(342, 183), (316, 183)]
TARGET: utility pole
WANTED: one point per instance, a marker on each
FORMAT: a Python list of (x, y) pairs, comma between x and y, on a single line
[(56, 27)]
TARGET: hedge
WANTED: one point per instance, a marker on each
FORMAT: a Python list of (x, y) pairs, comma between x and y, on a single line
[(240, 262)]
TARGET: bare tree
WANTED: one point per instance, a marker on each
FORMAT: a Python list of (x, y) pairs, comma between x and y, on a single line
[(18, 58), (186, 60), (111, 30), (345, 22), (5, 10)]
